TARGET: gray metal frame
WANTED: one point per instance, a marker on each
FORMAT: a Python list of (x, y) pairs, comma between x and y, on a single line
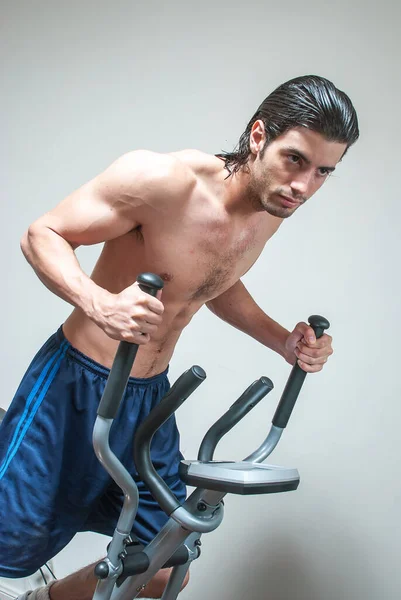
[(185, 525)]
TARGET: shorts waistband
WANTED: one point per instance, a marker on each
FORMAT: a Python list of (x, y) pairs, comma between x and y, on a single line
[(101, 370)]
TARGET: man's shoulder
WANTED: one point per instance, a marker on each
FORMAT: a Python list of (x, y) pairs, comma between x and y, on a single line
[(185, 163), (148, 162), (151, 171), (196, 160)]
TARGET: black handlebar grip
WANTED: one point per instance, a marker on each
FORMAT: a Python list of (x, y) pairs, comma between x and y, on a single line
[(319, 324), (150, 283), (241, 407), (124, 359), (296, 379), (182, 388)]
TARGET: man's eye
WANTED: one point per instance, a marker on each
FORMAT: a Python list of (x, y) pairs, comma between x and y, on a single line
[(323, 172), (293, 158)]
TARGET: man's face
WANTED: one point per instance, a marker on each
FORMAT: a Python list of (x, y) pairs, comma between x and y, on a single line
[(290, 169)]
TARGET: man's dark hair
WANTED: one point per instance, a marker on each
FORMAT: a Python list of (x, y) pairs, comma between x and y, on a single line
[(309, 101)]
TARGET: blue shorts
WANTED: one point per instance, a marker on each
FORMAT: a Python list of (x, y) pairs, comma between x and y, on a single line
[(51, 483)]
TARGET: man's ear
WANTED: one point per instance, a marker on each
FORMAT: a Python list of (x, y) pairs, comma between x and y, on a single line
[(257, 137)]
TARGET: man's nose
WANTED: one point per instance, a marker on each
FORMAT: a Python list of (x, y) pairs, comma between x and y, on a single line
[(300, 185)]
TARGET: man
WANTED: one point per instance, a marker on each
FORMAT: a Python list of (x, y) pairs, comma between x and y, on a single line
[(200, 222)]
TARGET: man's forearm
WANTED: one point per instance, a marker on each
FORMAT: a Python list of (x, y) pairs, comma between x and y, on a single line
[(54, 261), (237, 307)]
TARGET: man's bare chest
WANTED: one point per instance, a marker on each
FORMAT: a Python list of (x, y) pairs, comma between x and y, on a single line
[(203, 262), (196, 263)]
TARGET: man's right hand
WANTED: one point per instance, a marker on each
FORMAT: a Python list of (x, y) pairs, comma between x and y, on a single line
[(130, 316)]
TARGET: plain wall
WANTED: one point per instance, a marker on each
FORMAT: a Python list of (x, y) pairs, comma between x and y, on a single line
[(84, 82)]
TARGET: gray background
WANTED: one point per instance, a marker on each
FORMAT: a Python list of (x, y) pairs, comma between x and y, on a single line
[(82, 83)]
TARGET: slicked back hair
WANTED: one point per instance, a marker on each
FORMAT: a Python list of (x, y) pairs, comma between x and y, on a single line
[(309, 101)]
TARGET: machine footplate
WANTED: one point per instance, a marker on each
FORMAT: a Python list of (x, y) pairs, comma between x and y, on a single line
[(239, 477)]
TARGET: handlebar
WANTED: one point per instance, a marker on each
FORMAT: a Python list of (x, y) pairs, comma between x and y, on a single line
[(246, 402), (296, 379), (124, 359), (183, 387)]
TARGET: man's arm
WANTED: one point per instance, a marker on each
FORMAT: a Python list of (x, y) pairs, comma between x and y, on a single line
[(107, 207), (237, 307)]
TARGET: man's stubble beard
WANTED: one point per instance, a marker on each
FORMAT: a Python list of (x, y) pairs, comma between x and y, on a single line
[(283, 212), (260, 204)]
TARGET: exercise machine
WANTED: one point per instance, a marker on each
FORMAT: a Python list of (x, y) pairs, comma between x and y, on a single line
[(129, 565)]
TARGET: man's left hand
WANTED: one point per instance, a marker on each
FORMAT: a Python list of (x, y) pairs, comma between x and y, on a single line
[(310, 353)]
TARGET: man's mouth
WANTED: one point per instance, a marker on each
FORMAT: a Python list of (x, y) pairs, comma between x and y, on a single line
[(289, 202)]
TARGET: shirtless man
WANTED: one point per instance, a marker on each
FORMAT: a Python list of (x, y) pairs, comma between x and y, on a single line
[(200, 222)]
